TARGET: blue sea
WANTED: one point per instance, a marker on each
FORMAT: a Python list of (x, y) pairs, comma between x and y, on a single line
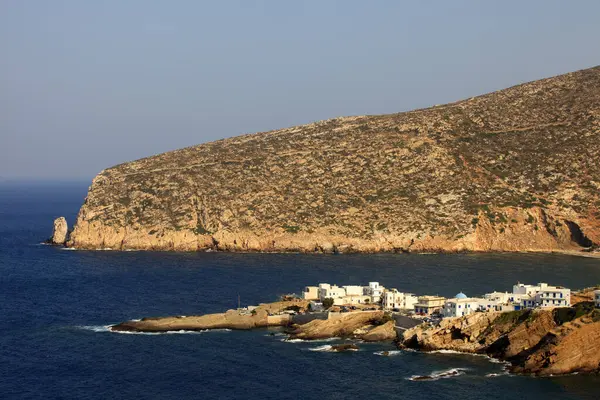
[(55, 305)]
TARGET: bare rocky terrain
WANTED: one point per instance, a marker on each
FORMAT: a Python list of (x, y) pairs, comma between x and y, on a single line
[(513, 170), (539, 342)]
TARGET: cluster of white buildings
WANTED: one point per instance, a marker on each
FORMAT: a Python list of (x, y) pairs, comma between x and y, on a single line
[(522, 297), (345, 295)]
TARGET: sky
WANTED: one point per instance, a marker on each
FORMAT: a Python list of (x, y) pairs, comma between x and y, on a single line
[(85, 85)]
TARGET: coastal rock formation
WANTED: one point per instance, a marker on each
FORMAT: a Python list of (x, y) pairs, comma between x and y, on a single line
[(260, 316), (513, 170), (60, 231), (381, 333), (540, 342), (353, 324), (344, 347)]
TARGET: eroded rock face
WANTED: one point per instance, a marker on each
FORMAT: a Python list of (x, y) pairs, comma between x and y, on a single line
[(514, 170), (540, 342), (381, 333), (60, 231), (353, 324)]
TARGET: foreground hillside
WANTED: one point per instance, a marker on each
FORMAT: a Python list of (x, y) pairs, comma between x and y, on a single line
[(541, 342), (514, 170)]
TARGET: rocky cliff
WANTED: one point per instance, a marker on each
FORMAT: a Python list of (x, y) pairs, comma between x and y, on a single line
[(540, 342), (514, 170)]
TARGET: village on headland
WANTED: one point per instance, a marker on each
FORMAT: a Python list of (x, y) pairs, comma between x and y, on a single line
[(374, 296), (538, 329)]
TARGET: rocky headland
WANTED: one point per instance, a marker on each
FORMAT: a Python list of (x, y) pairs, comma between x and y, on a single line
[(513, 170), (264, 315), (370, 326), (540, 342)]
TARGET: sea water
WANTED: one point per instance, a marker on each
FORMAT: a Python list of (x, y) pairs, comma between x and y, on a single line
[(55, 306)]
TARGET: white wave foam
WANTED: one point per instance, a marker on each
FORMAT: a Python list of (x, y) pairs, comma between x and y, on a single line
[(496, 374), (388, 353), (449, 352), (435, 375), (490, 359), (498, 361), (106, 328), (68, 248), (96, 328), (325, 347), (296, 340), (180, 332)]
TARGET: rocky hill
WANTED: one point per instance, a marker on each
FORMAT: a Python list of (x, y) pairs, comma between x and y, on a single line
[(541, 342), (513, 170)]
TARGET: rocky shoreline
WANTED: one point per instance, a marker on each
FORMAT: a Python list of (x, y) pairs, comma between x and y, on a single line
[(540, 342), (370, 326), (62, 237)]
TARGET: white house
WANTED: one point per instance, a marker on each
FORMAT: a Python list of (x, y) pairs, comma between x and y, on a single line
[(392, 299), (553, 296), (330, 291), (461, 305), (353, 290), (520, 288), (489, 304), (349, 294), (502, 301), (597, 297), (500, 297), (374, 290), (542, 295)]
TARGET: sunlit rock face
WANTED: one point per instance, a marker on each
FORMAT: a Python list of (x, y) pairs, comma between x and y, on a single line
[(60, 231), (513, 170)]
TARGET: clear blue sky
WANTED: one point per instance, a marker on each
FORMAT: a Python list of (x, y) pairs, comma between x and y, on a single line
[(85, 85)]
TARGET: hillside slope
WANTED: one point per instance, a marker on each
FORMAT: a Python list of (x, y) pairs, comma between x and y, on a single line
[(514, 170)]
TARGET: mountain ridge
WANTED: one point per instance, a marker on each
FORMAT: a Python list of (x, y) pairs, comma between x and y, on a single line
[(512, 170)]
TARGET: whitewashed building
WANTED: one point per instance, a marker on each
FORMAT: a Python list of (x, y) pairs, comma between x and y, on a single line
[(461, 305), (523, 289), (542, 295), (327, 291), (344, 295), (501, 301), (353, 290), (374, 290), (393, 299), (553, 296), (500, 297)]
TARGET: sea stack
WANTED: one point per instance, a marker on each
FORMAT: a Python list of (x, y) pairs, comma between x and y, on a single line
[(60, 231)]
